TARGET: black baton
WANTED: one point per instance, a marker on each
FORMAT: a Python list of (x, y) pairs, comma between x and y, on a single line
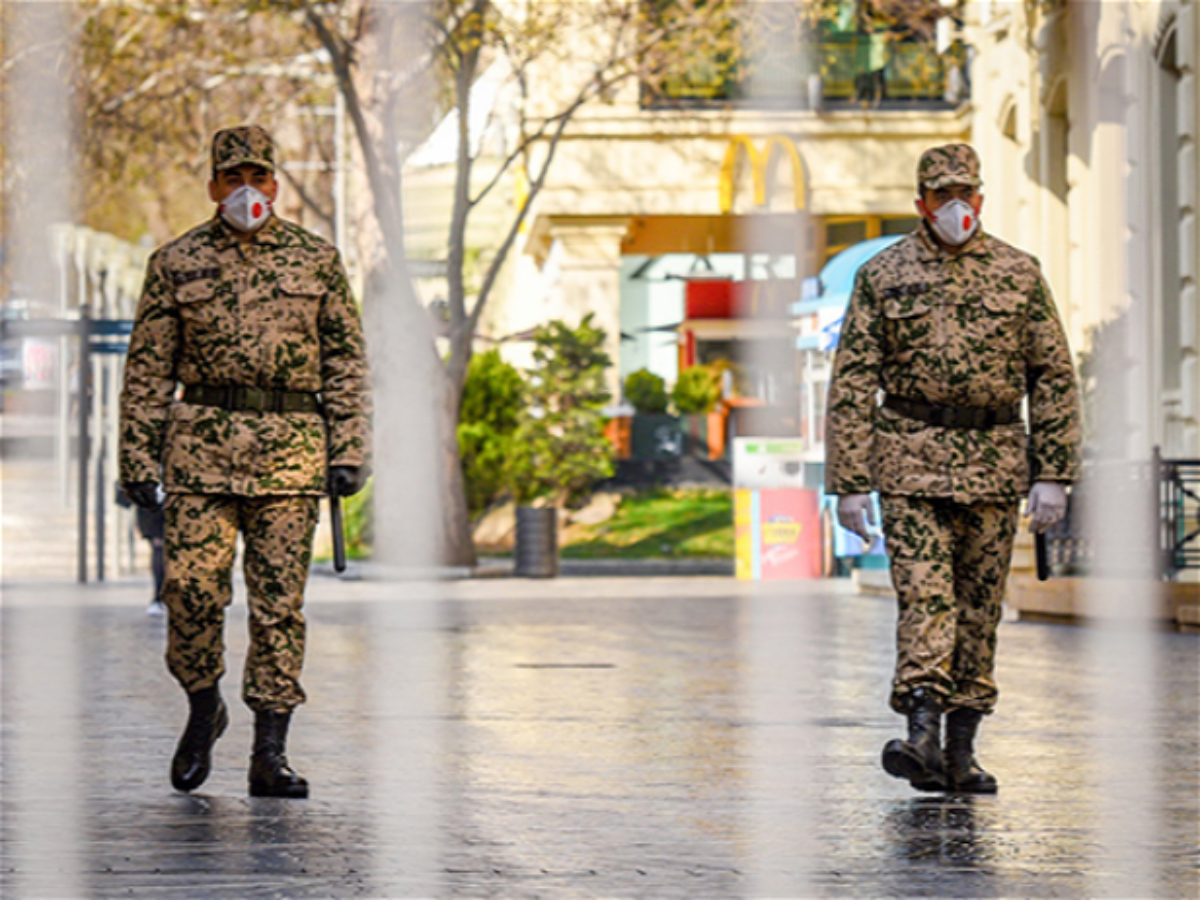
[(339, 533), (1041, 555)]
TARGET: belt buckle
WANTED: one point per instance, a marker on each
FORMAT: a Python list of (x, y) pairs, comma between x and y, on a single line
[(981, 419), (255, 399)]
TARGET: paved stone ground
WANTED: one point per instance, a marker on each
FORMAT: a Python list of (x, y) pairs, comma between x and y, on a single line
[(594, 737), (582, 738)]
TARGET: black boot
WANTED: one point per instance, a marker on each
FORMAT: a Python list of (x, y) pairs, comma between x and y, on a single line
[(962, 771), (270, 775), (207, 721), (919, 759)]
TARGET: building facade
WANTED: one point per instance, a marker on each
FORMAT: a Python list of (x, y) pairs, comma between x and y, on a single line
[(648, 193), (1085, 116)]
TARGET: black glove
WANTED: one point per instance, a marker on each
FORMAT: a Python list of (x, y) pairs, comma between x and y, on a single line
[(345, 481), (143, 493)]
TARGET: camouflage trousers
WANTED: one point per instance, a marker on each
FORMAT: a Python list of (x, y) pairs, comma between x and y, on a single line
[(949, 562), (201, 540)]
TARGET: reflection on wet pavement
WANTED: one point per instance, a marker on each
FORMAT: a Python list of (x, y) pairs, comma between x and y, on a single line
[(574, 742)]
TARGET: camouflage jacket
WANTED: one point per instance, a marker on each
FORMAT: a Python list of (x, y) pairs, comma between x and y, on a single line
[(276, 313), (975, 328)]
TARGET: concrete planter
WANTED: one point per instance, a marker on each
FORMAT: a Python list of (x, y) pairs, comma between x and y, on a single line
[(1066, 599), (695, 434), (657, 438)]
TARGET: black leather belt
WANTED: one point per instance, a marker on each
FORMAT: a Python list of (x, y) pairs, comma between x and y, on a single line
[(239, 398), (974, 417)]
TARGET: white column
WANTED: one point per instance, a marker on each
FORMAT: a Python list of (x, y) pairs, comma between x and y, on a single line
[(589, 279)]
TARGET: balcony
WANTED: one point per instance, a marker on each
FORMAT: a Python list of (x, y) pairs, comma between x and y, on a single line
[(845, 71)]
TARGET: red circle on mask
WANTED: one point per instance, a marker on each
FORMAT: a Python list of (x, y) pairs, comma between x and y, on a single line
[(256, 210), (966, 222)]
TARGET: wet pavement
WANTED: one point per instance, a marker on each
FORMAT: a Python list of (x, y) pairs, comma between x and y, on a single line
[(603, 737)]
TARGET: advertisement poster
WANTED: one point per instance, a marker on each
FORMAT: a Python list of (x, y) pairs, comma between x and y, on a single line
[(778, 534)]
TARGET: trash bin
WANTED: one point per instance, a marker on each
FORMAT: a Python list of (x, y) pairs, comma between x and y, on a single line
[(536, 552), (777, 520)]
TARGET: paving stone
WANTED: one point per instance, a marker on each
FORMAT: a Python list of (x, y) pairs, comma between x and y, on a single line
[(658, 738)]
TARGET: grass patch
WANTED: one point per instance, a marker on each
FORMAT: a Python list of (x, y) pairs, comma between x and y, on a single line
[(657, 524)]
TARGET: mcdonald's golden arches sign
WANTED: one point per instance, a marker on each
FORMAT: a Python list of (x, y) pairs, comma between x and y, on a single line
[(760, 164)]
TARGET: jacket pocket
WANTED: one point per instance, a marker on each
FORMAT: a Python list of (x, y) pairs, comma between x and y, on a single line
[(196, 292), (296, 301), (908, 324), (998, 326), (290, 343), (201, 313), (198, 452), (289, 452)]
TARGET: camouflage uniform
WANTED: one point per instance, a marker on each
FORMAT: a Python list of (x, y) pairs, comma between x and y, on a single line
[(274, 314), (972, 327)]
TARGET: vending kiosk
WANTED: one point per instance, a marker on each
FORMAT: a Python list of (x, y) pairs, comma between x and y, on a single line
[(777, 520)]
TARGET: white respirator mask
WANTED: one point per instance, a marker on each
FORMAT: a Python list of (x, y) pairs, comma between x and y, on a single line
[(955, 222), (246, 209)]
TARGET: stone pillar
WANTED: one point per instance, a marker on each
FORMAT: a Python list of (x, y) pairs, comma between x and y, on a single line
[(587, 254), (1188, 46)]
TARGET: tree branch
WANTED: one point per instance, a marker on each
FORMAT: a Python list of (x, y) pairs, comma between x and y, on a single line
[(325, 215), (386, 206), (510, 238)]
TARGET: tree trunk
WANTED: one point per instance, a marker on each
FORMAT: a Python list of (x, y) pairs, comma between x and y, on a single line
[(420, 506), (458, 547)]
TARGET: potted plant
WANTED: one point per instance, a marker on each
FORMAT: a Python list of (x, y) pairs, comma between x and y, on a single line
[(656, 435), (695, 395), (559, 449)]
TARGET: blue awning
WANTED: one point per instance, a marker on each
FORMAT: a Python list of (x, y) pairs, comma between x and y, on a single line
[(836, 284), (837, 278)]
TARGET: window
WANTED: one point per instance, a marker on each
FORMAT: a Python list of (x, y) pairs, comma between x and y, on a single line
[(776, 55), (836, 233)]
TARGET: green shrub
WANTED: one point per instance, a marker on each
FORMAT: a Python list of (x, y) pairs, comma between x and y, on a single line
[(559, 450), (697, 390), (493, 395), (646, 391), (359, 515)]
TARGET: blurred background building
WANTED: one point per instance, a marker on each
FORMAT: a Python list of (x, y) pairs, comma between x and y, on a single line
[(1084, 115), (659, 188), (726, 208)]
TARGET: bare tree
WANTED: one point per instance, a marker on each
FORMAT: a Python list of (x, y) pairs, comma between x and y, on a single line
[(158, 75), (153, 80), (366, 41)]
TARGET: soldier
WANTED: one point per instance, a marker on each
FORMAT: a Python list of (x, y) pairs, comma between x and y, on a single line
[(947, 332), (246, 398)]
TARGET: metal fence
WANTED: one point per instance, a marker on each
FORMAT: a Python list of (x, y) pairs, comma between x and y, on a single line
[(836, 71), (1170, 488), (1179, 493)]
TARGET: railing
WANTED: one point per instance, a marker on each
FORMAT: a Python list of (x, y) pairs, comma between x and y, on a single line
[(82, 335), (1179, 494), (839, 71), (1170, 488), (865, 68)]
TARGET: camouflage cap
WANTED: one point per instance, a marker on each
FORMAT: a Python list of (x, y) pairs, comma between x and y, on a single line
[(243, 145), (948, 164)]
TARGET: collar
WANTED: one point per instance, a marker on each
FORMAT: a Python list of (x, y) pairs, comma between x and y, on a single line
[(270, 235), (932, 251)]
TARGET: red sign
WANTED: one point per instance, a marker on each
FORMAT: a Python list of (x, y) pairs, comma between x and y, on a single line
[(724, 299), (709, 299), (789, 529)]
